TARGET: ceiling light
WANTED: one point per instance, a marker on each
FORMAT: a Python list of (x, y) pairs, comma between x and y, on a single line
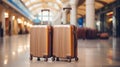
[(19, 20), (13, 17), (109, 13), (110, 19), (6, 15)]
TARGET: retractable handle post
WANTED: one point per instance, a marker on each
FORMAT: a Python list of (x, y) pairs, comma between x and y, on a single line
[(65, 14)]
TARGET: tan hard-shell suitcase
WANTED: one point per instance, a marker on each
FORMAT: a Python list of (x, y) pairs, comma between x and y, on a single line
[(40, 42), (65, 42)]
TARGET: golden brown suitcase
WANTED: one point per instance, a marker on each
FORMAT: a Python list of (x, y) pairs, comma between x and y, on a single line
[(64, 42), (40, 42)]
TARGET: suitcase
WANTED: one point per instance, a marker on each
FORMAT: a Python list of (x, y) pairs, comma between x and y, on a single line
[(81, 33), (64, 42), (40, 42), (104, 36), (91, 33)]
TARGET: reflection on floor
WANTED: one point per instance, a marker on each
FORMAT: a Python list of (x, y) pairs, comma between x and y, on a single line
[(14, 52)]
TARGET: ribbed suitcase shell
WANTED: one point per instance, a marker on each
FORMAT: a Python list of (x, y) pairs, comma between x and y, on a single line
[(40, 41), (64, 41)]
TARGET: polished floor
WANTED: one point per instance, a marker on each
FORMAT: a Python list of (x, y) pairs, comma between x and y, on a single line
[(14, 52)]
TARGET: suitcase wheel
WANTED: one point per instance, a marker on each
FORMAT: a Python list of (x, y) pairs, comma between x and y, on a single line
[(76, 59), (31, 57), (53, 58), (69, 60), (57, 59), (38, 59), (46, 59)]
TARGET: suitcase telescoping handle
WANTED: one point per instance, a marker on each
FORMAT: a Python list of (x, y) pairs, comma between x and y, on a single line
[(48, 16)]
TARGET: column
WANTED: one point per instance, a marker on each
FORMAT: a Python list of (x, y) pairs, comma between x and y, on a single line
[(73, 14), (11, 23), (90, 14), (3, 21), (114, 22), (64, 16), (103, 23), (98, 23), (115, 49)]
